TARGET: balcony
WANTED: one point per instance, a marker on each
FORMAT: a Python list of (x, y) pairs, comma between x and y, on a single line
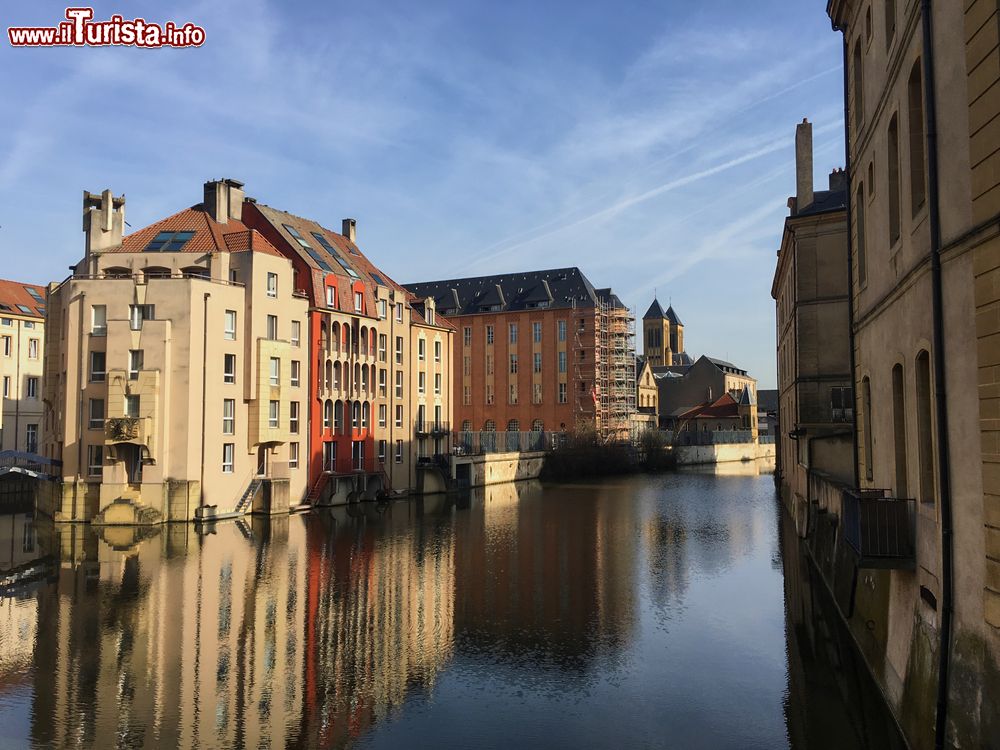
[(879, 528), (432, 428)]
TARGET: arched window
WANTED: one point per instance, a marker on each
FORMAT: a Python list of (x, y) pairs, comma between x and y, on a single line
[(899, 430), (335, 337), (338, 417), (195, 272), (327, 414), (328, 382), (347, 338), (363, 341), (371, 343), (915, 96), (364, 378), (513, 426), (866, 405), (357, 377), (322, 338), (365, 413), (538, 426), (925, 433), (356, 415), (336, 376), (117, 272), (489, 426), (347, 378), (467, 425)]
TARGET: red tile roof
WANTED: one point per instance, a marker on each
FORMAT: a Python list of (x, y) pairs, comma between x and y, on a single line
[(14, 293), (209, 235), (724, 406)]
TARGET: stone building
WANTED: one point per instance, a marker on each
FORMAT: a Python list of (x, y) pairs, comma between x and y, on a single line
[(686, 386), (380, 396), (176, 368), (920, 537), (538, 351), (663, 337), (22, 337), (648, 395), (811, 290)]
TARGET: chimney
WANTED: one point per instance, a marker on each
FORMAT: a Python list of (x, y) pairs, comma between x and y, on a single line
[(224, 200), (349, 228), (803, 165), (838, 181), (103, 220)]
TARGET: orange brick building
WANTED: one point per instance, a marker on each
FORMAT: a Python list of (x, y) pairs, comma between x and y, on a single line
[(537, 351)]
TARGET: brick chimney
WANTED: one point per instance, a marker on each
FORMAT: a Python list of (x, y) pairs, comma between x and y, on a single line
[(803, 165), (838, 181), (349, 228), (223, 200), (103, 220)]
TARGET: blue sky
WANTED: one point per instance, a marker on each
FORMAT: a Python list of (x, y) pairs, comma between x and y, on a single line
[(649, 143)]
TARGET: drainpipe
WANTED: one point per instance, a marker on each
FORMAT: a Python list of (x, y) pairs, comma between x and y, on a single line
[(940, 395), (204, 387), (850, 265)]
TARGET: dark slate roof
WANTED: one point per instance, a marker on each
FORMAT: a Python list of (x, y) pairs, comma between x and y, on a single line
[(682, 358), (672, 316), (825, 201), (746, 397), (555, 288), (723, 365), (655, 312), (767, 400)]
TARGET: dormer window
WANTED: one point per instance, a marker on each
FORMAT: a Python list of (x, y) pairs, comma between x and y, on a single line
[(169, 242)]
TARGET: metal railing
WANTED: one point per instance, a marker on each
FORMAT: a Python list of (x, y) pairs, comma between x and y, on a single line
[(478, 443), (880, 529), (711, 437)]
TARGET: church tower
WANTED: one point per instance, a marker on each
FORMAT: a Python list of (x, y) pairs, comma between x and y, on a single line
[(662, 335)]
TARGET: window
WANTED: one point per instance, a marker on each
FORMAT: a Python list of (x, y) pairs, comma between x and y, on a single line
[(99, 320), (862, 239), (536, 393), (230, 330), (32, 348), (331, 416), (359, 301), (561, 330), (382, 343), (562, 361), (6, 321), (467, 336), (399, 350), (399, 415), (293, 455), (925, 435), (536, 332), (29, 324), (135, 361), (859, 95), (421, 382), (489, 364), (466, 365), (169, 242), (916, 116), (382, 415), (95, 460), (293, 417), (138, 313), (132, 406), (866, 405), (272, 327), (273, 414), (489, 334), (31, 438), (229, 368), (275, 370), (890, 22), (296, 369), (399, 312), (382, 444), (95, 419), (6, 386), (228, 416), (537, 364), (296, 332), (228, 450), (513, 364), (331, 296), (7, 346), (399, 384), (437, 384), (513, 393), (892, 154), (382, 388), (899, 431), (383, 309), (583, 324), (421, 348), (429, 314), (356, 415), (97, 367), (437, 351), (842, 404), (513, 333), (329, 456), (399, 451), (272, 284), (490, 396), (562, 393), (467, 395)]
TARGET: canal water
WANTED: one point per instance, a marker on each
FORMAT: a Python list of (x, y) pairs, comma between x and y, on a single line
[(649, 611)]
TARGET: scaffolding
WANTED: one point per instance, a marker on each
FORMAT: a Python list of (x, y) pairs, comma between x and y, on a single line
[(609, 365)]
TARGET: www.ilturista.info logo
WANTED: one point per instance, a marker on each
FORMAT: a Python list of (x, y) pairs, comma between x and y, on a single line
[(79, 30)]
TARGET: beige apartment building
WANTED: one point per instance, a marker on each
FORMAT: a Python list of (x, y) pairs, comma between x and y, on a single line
[(811, 288), (22, 337), (176, 369), (922, 531)]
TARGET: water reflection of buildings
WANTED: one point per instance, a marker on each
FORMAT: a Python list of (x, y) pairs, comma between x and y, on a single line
[(545, 581), (20, 573), (280, 632)]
